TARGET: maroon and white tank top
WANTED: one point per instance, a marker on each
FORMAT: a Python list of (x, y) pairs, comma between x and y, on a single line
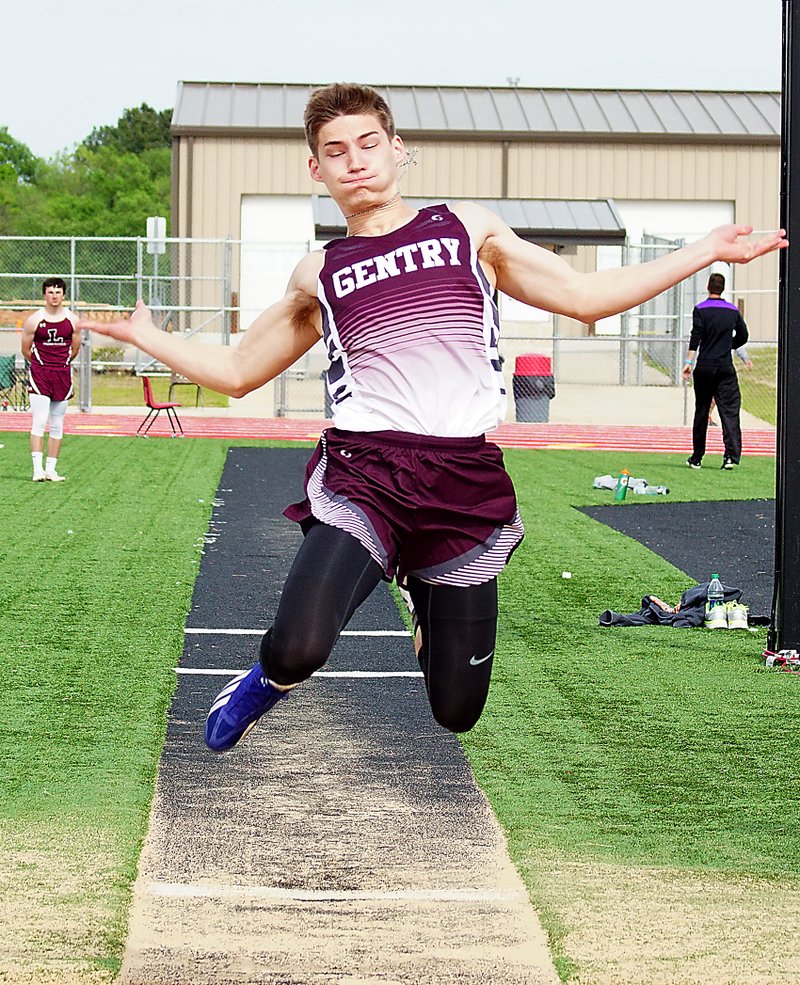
[(411, 331), (52, 341)]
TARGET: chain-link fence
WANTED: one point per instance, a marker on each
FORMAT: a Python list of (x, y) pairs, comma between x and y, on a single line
[(629, 372), (188, 283)]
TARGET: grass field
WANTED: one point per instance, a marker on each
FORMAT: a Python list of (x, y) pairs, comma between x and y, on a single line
[(610, 753), (97, 578), (759, 385), (124, 390), (646, 778)]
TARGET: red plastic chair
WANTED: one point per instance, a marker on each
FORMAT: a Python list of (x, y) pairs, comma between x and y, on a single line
[(155, 410)]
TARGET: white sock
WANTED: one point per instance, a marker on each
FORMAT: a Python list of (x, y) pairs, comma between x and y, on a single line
[(50, 465), (37, 461)]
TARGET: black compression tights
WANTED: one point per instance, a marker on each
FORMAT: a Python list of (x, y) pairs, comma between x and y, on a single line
[(333, 574)]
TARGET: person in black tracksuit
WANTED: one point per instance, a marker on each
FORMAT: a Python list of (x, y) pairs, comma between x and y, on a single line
[(717, 329)]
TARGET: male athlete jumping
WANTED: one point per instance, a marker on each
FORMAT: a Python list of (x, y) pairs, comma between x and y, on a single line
[(404, 484)]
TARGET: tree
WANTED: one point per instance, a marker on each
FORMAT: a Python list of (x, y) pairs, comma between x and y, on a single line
[(17, 161), (107, 186), (137, 130)]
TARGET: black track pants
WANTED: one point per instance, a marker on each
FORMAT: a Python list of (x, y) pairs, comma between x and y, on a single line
[(333, 574), (721, 385)]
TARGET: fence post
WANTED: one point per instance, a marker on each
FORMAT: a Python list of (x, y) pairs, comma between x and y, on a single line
[(85, 373), (280, 396), (72, 284), (227, 268), (678, 323), (85, 351), (139, 268), (624, 326), (139, 291), (556, 344)]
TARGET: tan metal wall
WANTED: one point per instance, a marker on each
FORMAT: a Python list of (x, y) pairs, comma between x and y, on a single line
[(747, 176), (455, 169), (213, 173)]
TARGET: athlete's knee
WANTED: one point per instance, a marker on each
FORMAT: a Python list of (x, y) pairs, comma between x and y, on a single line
[(291, 657), (40, 409), (456, 716), (58, 409), (457, 708)]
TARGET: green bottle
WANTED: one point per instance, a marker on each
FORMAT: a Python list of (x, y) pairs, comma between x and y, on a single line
[(622, 485)]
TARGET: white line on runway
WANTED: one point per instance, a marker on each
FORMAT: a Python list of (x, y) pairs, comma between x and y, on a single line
[(199, 890), (194, 631), (319, 673)]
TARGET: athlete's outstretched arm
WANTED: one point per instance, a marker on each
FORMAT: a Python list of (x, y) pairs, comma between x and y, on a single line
[(538, 277), (278, 337)]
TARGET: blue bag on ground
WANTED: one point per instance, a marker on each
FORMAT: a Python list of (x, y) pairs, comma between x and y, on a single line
[(689, 612)]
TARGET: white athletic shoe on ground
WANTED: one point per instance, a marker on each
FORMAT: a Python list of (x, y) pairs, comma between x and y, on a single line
[(716, 616), (737, 616), (38, 475), (54, 477)]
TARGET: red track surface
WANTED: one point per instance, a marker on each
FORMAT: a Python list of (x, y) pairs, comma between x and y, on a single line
[(588, 436)]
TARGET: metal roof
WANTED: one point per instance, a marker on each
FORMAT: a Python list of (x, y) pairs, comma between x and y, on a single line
[(245, 108), (535, 219)]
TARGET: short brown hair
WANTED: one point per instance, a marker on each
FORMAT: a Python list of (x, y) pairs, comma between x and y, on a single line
[(716, 284), (343, 99)]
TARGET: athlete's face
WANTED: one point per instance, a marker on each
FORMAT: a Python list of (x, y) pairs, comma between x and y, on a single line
[(54, 296), (357, 160)]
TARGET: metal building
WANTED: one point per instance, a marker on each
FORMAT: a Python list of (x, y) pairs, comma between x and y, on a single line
[(575, 170)]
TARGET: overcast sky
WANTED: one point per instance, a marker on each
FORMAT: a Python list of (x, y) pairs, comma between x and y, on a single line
[(71, 65)]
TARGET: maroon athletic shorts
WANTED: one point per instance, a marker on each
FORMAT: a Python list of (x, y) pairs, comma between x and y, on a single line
[(440, 509), (49, 382)]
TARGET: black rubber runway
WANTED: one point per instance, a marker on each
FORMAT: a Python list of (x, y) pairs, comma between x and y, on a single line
[(734, 539), (346, 814), (250, 546)]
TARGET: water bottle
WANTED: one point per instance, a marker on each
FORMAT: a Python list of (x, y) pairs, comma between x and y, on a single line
[(651, 490), (716, 616), (622, 485), (716, 593)]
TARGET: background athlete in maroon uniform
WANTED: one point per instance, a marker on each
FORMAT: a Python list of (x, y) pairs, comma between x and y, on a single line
[(49, 342), (50, 358)]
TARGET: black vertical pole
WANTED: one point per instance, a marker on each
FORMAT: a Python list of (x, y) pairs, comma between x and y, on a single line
[(784, 632)]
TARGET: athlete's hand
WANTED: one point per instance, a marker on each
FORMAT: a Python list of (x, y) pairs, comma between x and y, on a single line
[(730, 245), (122, 329), (687, 373)]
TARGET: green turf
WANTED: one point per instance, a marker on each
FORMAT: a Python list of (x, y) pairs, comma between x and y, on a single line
[(759, 385), (125, 390), (647, 746), (650, 746), (97, 578)]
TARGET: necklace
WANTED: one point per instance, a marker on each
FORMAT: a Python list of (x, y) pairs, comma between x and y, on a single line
[(374, 208)]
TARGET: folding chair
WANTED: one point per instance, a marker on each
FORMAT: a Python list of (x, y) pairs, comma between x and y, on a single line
[(13, 384), (155, 410), (177, 380)]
